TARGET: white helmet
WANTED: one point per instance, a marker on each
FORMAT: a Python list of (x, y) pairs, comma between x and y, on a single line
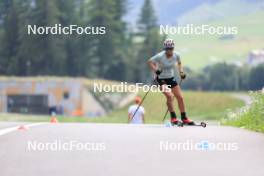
[(168, 43)]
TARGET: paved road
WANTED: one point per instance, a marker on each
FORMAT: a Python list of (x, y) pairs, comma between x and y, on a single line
[(244, 97), (132, 150), (4, 125)]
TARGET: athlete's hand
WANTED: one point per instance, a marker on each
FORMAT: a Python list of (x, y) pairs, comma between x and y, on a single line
[(158, 72), (182, 75)]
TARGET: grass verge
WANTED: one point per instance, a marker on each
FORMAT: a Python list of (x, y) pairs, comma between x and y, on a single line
[(251, 117), (199, 106)]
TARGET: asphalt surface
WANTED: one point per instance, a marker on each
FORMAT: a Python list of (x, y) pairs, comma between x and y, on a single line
[(119, 149)]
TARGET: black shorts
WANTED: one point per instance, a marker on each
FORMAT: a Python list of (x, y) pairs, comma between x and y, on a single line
[(171, 82)]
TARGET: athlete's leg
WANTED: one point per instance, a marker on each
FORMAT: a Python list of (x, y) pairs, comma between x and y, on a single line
[(178, 94), (169, 97)]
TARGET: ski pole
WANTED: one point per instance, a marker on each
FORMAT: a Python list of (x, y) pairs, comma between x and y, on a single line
[(168, 108), (142, 100)]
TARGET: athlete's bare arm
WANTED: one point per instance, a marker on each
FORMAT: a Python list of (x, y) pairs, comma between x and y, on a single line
[(179, 66), (152, 66), (129, 117)]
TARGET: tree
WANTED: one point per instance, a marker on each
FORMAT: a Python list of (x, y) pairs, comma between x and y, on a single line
[(47, 50), (68, 15), (147, 20), (107, 49), (222, 76), (120, 42), (109, 56), (10, 37), (147, 26), (256, 78)]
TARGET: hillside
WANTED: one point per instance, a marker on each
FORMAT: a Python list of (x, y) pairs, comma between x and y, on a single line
[(190, 11), (224, 9), (201, 50)]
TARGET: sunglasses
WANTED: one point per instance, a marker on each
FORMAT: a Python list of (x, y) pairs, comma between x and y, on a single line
[(168, 49)]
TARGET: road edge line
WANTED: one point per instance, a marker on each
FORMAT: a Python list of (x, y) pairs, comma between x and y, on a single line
[(11, 129)]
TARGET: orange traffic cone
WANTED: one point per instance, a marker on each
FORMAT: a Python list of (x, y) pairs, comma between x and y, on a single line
[(53, 120), (22, 128)]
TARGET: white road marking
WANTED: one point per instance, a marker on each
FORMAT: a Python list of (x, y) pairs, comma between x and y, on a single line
[(11, 129)]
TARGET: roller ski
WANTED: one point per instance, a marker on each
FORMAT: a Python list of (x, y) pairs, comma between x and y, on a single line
[(185, 122), (202, 124)]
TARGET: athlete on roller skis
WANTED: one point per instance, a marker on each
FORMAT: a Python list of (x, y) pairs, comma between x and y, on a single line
[(163, 65)]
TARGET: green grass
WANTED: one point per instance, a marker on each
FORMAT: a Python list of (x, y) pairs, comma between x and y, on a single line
[(248, 117), (199, 105), (198, 51)]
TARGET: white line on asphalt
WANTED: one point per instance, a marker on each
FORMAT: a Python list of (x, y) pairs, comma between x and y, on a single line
[(11, 129)]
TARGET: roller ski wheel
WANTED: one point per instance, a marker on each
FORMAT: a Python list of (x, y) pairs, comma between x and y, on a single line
[(203, 124)]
